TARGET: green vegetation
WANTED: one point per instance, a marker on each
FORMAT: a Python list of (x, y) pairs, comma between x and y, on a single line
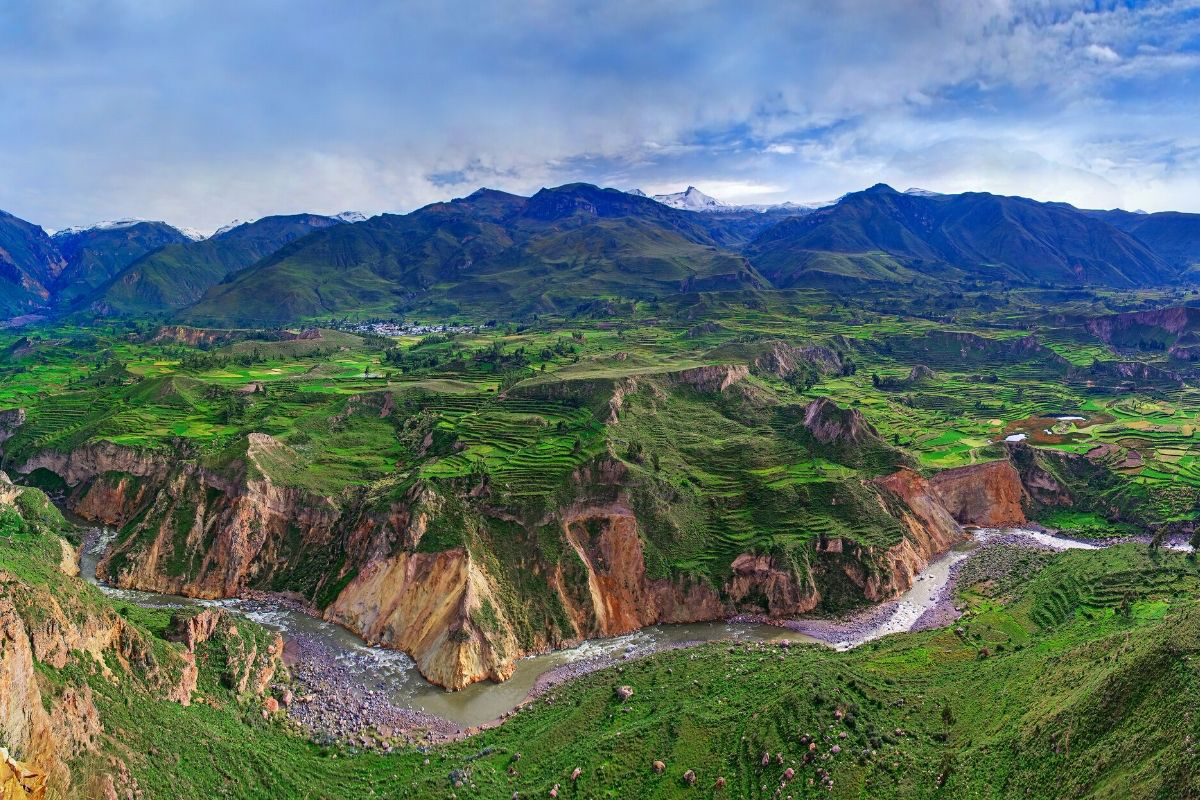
[(729, 422), (1078, 678)]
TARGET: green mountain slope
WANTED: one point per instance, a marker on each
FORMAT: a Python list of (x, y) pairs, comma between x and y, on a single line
[(95, 255), (490, 252), (178, 274), (1174, 235), (883, 235), (29, 263)]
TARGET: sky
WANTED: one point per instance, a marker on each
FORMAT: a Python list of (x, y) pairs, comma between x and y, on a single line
[(201, 112)]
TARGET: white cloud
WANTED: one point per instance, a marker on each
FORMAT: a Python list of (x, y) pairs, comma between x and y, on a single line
[(203, 111), (1102, 53)]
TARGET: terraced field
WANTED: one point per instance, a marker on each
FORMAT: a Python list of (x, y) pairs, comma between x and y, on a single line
[(700, 409)]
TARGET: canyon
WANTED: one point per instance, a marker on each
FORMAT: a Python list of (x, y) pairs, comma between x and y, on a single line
[(209, 533)]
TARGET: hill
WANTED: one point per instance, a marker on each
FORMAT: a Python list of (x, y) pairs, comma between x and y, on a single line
[(178, 274), (94, 255), (1173, 235), (883, 235), (491, 253), (29, 263)]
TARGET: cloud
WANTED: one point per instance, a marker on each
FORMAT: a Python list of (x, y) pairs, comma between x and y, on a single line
[(202, 110), (1102, 53)]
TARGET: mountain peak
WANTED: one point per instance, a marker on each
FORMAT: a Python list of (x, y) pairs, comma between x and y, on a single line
[(692, 199), (227, 227)]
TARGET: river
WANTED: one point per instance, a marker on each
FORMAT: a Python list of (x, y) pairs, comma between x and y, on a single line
[(393, 675)]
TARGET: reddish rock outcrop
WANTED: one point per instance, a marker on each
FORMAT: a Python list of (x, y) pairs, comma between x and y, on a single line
[(931, 530), (1177, 320), (989, 495)]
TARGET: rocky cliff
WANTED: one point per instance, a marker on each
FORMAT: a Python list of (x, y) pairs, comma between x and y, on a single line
[(989, 495), (456, 611), (467, 579), (55, 624)]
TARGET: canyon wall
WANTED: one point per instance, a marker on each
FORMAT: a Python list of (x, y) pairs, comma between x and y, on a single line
[(212, 534), (51, 622), (990, 495)]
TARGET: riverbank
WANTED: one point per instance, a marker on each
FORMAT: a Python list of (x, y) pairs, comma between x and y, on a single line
[(347, 692)]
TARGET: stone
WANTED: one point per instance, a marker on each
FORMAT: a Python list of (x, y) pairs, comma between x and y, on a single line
[(689, 777), (659, 766), (624, 692)]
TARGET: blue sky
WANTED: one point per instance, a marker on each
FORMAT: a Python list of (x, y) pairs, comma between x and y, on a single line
[(199, 112)]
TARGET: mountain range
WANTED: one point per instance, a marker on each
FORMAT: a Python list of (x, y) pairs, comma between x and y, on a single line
[(496, 253)]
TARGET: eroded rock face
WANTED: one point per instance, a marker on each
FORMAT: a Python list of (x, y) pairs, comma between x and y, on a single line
[(1176, 320), (989, 495), (426, 604), (208, 535), (214, 534), (931, 530), (87, 462), (23, 719), (829, 423), (782, 359), (10, 420)]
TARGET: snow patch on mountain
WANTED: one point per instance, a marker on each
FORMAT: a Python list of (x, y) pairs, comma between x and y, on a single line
[(351, 217), (128, 222), (692, 199), (107, 225), (922, 192), (227, 227)]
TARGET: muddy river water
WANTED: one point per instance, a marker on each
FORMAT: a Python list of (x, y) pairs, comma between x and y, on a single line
[(395, 676)]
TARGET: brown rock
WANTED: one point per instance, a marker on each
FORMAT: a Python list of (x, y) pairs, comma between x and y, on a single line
[(989, 495)]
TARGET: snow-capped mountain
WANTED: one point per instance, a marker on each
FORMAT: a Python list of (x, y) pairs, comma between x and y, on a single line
[(228, 226), (107, 225), (193, 234), (692, 199), (117, 224), (351, 216), (636, 192), (922, 192)]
